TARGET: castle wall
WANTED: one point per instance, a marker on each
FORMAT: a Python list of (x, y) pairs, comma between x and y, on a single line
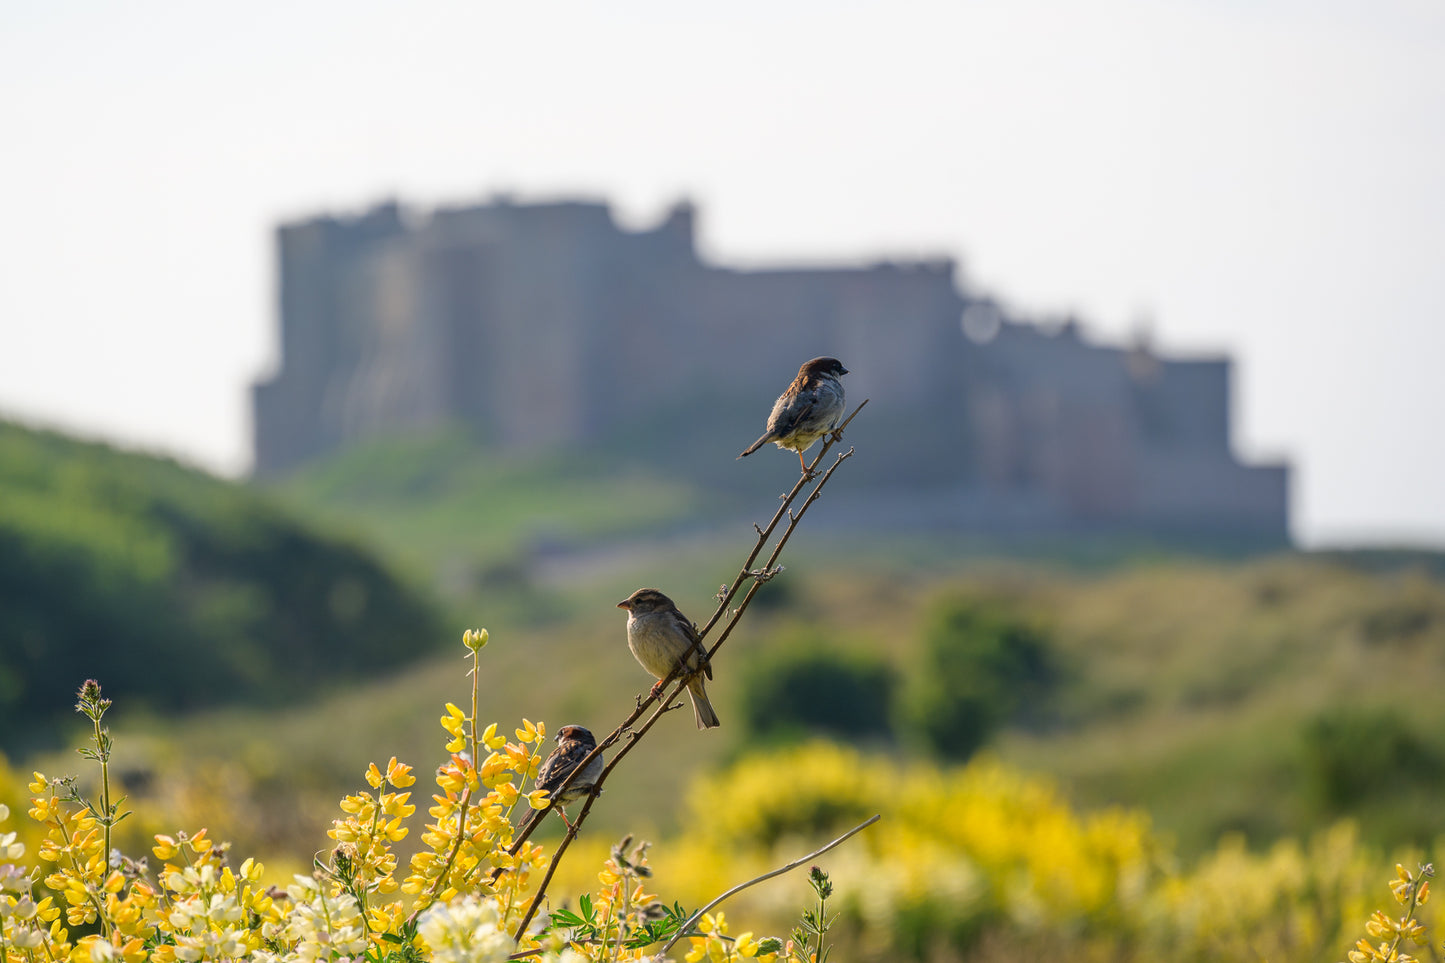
[(547, 324)]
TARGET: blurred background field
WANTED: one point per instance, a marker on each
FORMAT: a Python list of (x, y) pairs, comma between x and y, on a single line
[(1269, 717)]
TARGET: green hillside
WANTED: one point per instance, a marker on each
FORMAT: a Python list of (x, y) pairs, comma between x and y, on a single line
[(179, 591), (473, 520)]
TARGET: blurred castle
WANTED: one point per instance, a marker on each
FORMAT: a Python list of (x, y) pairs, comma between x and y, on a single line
[(545, 324)]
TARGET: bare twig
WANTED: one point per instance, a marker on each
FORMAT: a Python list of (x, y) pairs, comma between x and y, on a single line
[(692, 920), (680, 675)]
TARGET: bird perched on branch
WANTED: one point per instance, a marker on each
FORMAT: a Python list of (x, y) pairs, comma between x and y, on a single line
[(660, 637), (573, 745), (808, 410)]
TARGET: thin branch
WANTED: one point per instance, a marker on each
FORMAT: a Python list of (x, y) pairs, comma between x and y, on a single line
[(763, 534), (680, 674), (692, 921)]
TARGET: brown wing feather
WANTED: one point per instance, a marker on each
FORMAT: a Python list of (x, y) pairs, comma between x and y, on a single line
[(690, 631)]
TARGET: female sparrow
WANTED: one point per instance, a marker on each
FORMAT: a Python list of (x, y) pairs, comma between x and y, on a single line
[(573, 745), (660, 636), (808, 410)]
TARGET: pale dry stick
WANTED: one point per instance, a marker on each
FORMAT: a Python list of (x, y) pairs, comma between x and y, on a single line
[(692, 921), (678, 673)]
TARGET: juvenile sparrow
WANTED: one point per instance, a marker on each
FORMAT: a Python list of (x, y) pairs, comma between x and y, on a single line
[(660, 636), (573, 745), (808, 410)]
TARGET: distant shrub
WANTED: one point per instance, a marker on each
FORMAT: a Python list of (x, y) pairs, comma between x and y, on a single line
[(807, 684), (1352, 754), (980, 667)]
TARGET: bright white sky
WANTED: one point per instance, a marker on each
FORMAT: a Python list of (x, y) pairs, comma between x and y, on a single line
[(1265, 178)]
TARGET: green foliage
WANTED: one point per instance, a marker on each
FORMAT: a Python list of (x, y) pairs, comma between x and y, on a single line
[(180, 589), (1353, 754), (981, 666), (586, 926), (806, 683), (816, 922)]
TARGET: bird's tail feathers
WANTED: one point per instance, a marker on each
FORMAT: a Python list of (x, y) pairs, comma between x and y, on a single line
[(755, 446), (702, 711)]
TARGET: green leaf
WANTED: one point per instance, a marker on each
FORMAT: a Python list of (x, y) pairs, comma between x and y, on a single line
[(564, 917)]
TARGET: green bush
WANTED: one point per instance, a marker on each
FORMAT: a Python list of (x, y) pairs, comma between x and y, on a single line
[(1353, 754), (980, 666), (807, 684)]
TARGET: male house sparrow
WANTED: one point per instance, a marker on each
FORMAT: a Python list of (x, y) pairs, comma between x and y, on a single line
[(573, 745), (808, 410), (659, 637)]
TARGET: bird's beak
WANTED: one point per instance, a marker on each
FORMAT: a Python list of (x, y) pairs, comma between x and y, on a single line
[(844, 371), (624, 604)]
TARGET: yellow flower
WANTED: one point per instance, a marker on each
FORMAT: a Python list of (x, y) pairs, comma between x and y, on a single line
[(450, 779), (1401, 884), (495, 770), (454, 722), (491, 740), (38, 782), (399, 774), (395, 804), (47, 911)]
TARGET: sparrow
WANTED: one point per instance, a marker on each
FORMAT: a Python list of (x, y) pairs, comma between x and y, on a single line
[(573, 745), (808, 410), (659, 637)]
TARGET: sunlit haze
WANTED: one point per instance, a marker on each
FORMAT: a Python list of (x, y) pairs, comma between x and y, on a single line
[(1258, 179)]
